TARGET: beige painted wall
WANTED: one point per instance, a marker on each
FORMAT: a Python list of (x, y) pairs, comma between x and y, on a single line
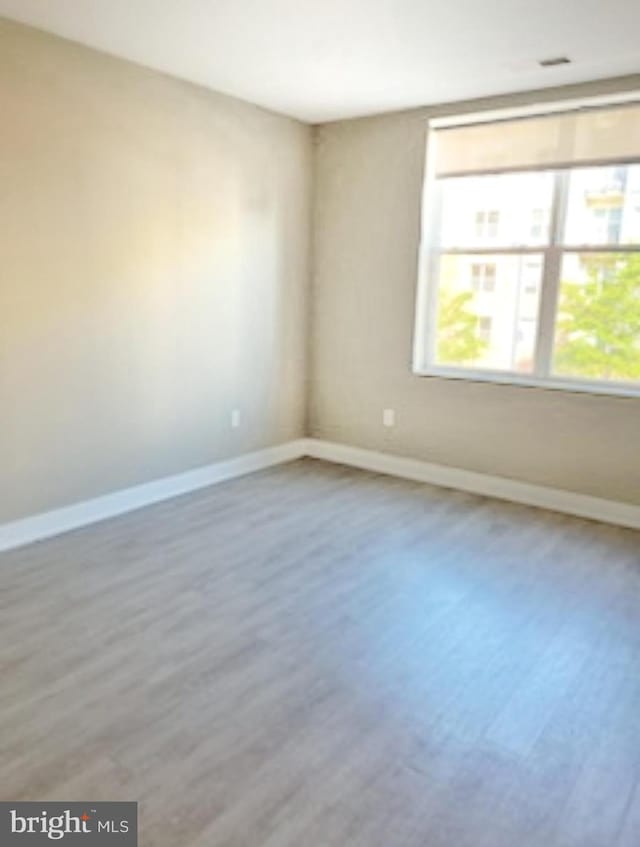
[(154, 250), (368, 186), (153, 274)]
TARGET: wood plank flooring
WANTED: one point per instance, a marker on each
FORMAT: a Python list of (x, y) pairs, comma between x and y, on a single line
[(320, 656)]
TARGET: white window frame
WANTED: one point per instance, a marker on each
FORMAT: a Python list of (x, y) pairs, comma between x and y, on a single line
[(425, 335)]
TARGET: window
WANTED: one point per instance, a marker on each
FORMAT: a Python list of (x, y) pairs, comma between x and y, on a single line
[(531, 256), (487, 223), (484, 328), (483, 277), (531, 277), (540, 224)]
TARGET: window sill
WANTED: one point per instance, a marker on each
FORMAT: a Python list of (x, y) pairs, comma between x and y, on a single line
[(574, 386)]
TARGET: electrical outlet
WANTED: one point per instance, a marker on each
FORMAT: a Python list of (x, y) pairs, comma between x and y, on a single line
[(388, 417), (235, 418)]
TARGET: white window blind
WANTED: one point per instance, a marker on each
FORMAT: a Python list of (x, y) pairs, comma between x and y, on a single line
[(565, 139)]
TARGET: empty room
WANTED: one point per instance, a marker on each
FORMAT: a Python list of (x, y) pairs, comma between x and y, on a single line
[(320, 423)]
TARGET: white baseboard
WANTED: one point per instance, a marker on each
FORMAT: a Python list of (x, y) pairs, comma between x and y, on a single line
[(555, 499), (47, 524)]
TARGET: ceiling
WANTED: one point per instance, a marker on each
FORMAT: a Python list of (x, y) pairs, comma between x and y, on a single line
[(321, 60)]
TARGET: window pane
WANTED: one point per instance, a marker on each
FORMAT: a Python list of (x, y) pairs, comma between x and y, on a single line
[(598, 325), (487, 311), (604, 206), (506, 210)]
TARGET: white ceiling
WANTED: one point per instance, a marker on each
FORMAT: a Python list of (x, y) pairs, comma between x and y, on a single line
[(320, 60)]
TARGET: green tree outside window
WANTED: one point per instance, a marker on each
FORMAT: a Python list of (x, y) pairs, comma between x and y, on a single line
[(598, 329)]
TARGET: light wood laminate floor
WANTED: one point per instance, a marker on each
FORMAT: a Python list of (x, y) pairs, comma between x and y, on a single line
[(319, 656)]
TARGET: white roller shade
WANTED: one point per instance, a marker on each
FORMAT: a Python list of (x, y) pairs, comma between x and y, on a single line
[(562, 139)]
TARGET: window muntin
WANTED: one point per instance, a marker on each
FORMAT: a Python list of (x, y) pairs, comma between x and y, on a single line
[(552, 212)]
